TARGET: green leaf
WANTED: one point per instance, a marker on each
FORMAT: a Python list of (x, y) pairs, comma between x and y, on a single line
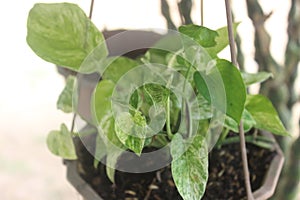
[(265, 115), (221, 40), (189, 166), (259, 77), (248, 122), (100, 150), (223, 77), (131, 131), (104, 120), (60, 143), (111, 161), (102, 112), (118, 68), (62, 34), (205, 108), (154, 93), (65, 99), (203, 36)]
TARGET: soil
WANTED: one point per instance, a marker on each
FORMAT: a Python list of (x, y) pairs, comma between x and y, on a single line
[(225, 177)]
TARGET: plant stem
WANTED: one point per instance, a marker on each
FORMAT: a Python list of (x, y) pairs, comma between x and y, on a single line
[(222, 137), (169, 131), (73, 122), (241, 127)]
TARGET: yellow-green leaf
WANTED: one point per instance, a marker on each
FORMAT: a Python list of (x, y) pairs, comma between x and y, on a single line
[(60, 143), (62, 34), (65, 99), (265, 115)]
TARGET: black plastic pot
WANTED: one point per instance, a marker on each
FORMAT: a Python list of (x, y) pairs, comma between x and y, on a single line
[(264, 192)]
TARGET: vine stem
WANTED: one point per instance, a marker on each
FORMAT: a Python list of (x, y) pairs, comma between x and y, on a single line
[(241, 127)]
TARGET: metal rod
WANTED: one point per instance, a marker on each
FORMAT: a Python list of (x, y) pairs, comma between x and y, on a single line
[(202, 12), (75, 114), (91, 9), (241, 127)]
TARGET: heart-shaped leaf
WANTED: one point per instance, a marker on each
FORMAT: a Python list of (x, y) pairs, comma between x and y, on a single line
[(203, 36), (62, 34), (131, 131), (221, 40), (259, 77), (265, 115), (60, 143), (102, 112), (223, 87)]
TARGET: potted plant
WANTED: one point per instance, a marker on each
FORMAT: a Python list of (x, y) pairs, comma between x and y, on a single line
[(152, 121)]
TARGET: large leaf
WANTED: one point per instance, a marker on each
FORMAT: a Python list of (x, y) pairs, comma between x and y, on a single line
[(203, 36), (62, 34), (107, 141), (265, 115), (118, 68), (189, 166), (60, 143), (65, 99), (221, 40), (223, 77), (102, 112), (259, 77)]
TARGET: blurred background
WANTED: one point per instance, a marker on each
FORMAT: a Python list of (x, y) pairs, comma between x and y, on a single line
[(30, 86)]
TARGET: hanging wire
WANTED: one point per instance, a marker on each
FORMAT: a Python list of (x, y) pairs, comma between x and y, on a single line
[(91, 9), (75, 114), (241, 127), (202, 12)]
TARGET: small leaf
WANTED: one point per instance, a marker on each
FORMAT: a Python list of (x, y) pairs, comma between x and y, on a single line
[(189, 166), (265, 115), (111, 161), (60, 143), (62, 34), (203, 36), (259, 77), (65, 99), (118, 68), (131, 131), (221, 40), (224, 77), (248, 122)]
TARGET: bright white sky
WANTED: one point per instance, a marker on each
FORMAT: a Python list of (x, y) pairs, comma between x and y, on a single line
[(30, 86)]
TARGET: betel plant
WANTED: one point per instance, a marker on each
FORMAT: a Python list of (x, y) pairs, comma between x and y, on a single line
[(175, 100)]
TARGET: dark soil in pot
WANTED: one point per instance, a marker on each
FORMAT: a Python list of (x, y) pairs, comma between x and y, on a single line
[(225, 178)]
